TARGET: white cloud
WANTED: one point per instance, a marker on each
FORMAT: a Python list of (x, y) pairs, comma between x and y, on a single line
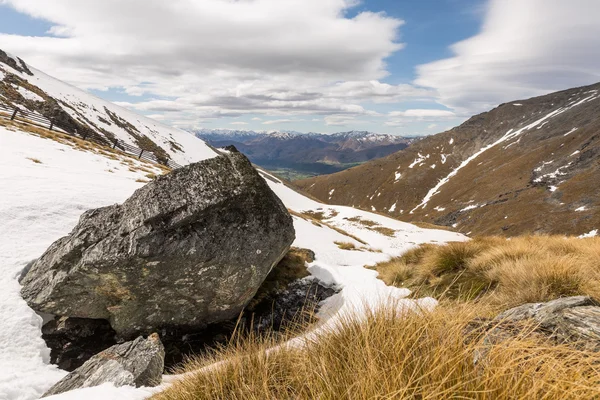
[(423, 113), (432, 126), (525, 48), (238, 123), (279, 121), (342, 120), (216, 58), (256, 119)]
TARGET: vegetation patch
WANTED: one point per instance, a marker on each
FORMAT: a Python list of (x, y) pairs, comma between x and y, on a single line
[(391, 355), (500, 272), (365, 222), (346, 246), (35, 160), (384, 231), (305, 216)]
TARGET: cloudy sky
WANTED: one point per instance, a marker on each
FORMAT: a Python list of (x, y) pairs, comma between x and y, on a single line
[(393, 66)]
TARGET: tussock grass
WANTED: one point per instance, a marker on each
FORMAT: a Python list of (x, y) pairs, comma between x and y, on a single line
[(499, 271), (384, 230), (392, 355), (307, 217), (346, 246)]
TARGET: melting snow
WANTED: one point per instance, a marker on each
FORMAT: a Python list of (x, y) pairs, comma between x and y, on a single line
[(419, 160), (451, 141), (576, 152), (398, 175), (552, 175), (508, 136), (582, 208), (571, 131), (471, 207), (517, 104), (28, 94), (589, 234), (393, 207), (46, 200), (444, 158), (440, 209)]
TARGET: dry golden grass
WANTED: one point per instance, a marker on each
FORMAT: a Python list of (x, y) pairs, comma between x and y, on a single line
[(390, 356), (346, 246), (384, 231), (427, 225), (84, 145), (35, 160), (365, 222), (498, 271), (307, 217)]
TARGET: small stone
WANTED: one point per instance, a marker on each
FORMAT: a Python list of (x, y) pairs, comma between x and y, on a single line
[(137, 363)]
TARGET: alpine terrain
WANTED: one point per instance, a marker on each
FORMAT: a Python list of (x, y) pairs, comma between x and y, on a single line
[(69, 249), (528, 166)]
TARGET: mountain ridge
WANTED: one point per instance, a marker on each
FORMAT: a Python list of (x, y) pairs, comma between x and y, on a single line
[(293, 154), (73, 109), (498, 173)]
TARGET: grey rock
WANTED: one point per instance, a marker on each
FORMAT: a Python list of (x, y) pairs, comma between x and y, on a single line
[(137, 363), (570, 320), (189, 249), (566, 320)]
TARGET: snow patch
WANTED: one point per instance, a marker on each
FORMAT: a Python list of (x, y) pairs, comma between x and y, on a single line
[(571, 131), (590, 234), (508, 136), (419, 160), (582, 208)]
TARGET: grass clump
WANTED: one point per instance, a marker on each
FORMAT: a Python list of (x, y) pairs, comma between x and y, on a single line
[(500, 271), (35, 160), (346, 245), (384, 231), (392, 355)]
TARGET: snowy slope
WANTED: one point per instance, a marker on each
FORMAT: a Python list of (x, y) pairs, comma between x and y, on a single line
[(44, 201), (100, 115)]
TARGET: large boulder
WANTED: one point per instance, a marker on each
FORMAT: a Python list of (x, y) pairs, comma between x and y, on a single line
[(137, 363), (187, 250)]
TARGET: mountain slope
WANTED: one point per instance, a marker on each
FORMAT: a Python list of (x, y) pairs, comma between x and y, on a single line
[(307, 154), (525, 166), (52, 183), (73, 109)]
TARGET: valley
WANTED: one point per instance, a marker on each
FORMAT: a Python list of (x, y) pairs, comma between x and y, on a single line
[(294, 155)]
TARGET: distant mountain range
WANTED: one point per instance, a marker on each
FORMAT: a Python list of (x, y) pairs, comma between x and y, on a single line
[(296, 155), (530, 166)]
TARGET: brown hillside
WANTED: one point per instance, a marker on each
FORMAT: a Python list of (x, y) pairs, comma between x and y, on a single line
[(537, 175)]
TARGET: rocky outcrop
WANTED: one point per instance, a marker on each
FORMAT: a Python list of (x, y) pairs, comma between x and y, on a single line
[(189, 249), (571, 320), (566, 320), (137, 363)]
